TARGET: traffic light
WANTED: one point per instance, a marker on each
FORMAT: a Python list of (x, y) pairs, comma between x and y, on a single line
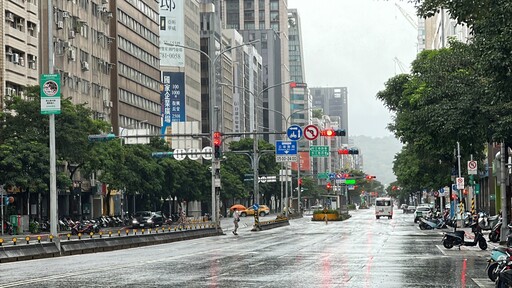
[(328, 186), (216, 144), (368, 177), (351, 151), (340, 132), (471, 180), (101, 137), (300, 181), (329, 132)]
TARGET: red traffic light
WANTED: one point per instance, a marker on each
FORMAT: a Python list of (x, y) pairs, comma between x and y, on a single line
[(327, 133), (343, 151), (369, 177), (216, 138), (328, 186), (300, 181)]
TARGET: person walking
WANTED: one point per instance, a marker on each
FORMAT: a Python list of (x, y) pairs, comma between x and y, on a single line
[(236, 219)]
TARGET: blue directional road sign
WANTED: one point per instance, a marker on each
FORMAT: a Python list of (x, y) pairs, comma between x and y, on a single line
[(294, 132), (286, 151)]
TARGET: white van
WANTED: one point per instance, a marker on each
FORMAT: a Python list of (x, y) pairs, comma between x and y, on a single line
[(383, 207)]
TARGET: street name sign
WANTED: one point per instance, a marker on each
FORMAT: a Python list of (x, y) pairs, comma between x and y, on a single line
[(286, 151), (319, 151)]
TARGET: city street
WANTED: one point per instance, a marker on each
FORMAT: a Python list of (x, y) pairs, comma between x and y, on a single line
[(359, 252)]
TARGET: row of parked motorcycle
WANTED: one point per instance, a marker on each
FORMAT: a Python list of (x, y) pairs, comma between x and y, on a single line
[(499, 264)]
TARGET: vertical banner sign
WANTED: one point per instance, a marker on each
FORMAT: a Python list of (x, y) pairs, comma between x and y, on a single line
[(50, 93), (173, 99), (236, 112), (172, 31)]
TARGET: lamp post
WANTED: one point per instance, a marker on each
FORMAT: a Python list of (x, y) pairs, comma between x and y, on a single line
[(256, 157), (287, 119), (213, 124)]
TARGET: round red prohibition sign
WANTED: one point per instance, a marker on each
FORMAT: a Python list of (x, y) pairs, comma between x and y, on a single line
[(472, 164), (311, 132)]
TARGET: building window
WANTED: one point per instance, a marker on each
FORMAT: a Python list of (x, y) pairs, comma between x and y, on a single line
[(274, 5)]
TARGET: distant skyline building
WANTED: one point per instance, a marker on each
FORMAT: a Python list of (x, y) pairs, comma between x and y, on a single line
[(334, 102)]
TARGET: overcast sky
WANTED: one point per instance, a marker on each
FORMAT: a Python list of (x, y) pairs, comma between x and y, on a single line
[(353, 43)]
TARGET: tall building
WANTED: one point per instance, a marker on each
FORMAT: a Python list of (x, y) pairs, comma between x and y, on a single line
[(334, 102), (80, 52), (19, 46), (135, 79), (253, 19), (107, 54), (440, 27), (273, 108), (181, 68), (296, 55), (245, 84)]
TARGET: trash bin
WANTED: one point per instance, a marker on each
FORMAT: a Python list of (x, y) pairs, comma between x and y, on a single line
[(15, 222)]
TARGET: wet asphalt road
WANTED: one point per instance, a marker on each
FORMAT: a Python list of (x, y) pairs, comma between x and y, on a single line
[(359, 252)]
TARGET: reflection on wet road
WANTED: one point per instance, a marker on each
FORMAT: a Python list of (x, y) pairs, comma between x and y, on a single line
[(359, 252)]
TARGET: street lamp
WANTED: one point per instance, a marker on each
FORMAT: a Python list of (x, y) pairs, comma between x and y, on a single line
[(255, 161), (287, 119), (213, 124)]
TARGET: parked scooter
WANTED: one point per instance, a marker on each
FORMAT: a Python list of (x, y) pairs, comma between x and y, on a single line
[(456, 238), (432, 223), (487, 222), (7, 227), (504, 279), (499, 257), (83, 229), (495, 234)]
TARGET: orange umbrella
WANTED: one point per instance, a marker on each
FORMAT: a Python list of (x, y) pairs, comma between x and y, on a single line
[(238, 207)]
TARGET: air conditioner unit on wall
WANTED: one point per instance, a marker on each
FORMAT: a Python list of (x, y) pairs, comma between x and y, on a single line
[(72, 34), (72, 55), (60, 25), (10, 17), (85, 66), (65, 14), (15, 58)]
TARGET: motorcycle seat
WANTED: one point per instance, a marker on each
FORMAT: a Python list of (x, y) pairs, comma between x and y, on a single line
[(458, 233), (492, 218)]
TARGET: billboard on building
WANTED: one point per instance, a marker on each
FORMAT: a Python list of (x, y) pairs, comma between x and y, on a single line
[(305, 162), (172, 31), (172, 99)]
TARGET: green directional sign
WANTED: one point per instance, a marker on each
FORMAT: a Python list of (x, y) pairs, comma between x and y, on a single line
[(319, 151), (350, 181), (324, 175)]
